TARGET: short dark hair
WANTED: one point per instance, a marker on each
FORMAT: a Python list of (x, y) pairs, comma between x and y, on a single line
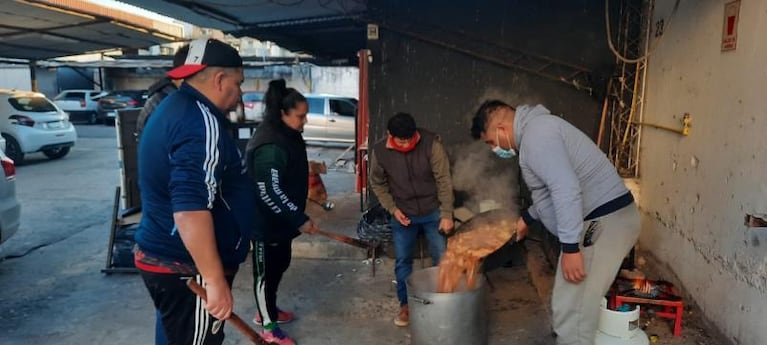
[(401, 125), (480, 119)]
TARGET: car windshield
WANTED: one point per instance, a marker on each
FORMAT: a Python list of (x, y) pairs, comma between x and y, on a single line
[(252, 97), (34, 104), (70, 95), (344, 106), (316, 105)]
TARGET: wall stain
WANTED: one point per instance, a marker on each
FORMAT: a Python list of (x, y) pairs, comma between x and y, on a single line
[(750, 272)]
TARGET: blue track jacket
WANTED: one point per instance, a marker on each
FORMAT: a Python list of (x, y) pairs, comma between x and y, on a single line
[(188, 161)]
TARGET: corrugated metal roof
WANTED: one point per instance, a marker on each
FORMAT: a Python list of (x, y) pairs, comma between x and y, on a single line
[(42, 29), (327, 29)]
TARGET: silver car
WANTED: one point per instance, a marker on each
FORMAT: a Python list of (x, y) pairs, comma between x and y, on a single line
[(330, 118), (10, 210)]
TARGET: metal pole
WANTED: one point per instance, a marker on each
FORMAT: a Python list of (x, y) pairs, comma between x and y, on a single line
[(362, 127), (650, 10), (33, 75)]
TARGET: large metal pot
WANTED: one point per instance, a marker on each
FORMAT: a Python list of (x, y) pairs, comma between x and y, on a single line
[(457, 318)]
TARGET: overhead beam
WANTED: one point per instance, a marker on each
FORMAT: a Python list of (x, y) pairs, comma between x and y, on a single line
[(57, 51), (46, 32), (25, 30), (208, 12)]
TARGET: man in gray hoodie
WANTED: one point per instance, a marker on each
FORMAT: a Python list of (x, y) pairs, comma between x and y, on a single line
[(578, 196)]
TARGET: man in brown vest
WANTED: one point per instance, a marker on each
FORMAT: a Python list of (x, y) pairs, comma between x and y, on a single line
[(410, 176)]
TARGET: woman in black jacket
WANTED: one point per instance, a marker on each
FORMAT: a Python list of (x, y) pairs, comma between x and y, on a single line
[(278, 165)]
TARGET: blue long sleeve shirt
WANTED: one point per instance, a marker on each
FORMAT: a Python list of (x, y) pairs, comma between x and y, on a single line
[(189, 162)]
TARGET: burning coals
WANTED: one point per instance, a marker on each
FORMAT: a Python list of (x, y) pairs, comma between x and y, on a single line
[(646, 288)]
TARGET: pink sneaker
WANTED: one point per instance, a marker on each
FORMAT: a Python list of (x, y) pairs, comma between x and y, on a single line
[(282, 317), (277, 336)]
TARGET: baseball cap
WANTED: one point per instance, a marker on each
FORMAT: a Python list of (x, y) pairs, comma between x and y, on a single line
[(206, 52)]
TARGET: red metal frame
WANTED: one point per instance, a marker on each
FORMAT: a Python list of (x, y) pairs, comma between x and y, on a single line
[(363, 121), (672, 308)]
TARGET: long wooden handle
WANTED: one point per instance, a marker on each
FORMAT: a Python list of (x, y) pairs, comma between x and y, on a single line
[(235, 320), (345, 239)]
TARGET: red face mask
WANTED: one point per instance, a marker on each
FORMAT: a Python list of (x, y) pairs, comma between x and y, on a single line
[(391, 144)]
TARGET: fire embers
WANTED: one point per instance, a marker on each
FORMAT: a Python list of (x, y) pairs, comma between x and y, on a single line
[(472, 241), (646, 288)]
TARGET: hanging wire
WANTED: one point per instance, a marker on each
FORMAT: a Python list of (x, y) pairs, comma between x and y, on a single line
[(649, 51)]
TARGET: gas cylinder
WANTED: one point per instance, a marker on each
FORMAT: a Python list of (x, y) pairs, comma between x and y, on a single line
[(619, 327)]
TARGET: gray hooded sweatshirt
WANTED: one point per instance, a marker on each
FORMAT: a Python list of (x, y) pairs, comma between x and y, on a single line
[(567, 174)]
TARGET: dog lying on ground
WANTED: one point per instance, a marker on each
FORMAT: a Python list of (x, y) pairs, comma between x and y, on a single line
[(317, 192)]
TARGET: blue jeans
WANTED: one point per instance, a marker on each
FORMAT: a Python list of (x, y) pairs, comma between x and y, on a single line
[(405, 238)]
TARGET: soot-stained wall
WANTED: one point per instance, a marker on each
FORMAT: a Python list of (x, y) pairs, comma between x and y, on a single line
[(421, 67)]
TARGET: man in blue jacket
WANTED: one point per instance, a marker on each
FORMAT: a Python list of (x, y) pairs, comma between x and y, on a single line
[(578, 196), (198, 203)]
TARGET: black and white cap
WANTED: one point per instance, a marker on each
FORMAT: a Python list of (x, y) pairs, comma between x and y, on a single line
[(206, 52)]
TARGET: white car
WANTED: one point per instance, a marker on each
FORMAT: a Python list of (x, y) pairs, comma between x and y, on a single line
[(30, 122), (10, 210), (81, 105)]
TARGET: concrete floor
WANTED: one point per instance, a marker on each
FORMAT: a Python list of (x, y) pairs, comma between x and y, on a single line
[(54, 293)]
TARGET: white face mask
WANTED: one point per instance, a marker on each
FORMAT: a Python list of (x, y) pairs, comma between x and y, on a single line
[(501, 152)]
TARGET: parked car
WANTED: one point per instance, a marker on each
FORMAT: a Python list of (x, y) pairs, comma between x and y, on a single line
[(10, 209), (253, 105), (30, 122), (330, 118), (110, 103), (81, 105)]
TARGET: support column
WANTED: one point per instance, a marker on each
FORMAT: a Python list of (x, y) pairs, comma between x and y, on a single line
[(33, 75)]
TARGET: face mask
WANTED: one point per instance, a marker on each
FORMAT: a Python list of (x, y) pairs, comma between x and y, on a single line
[(501, 152)]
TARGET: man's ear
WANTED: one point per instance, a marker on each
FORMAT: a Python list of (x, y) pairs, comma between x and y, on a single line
[(219, 80)]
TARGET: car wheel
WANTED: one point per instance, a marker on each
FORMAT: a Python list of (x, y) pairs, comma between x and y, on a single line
[(13, 149), (93, 119), (56, 153)]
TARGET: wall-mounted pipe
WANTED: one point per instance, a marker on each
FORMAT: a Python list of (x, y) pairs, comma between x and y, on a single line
[(686, 122)]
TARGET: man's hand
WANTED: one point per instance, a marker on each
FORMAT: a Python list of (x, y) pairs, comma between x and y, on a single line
[(220, 301), (572, 267), (446, 225), (309, 227), (522, 229), (401, 217)]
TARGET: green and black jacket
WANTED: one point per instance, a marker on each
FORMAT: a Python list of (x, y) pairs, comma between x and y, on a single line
[(277, 163)]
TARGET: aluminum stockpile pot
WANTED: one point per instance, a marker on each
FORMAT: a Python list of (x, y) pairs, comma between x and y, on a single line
[(456, 318)]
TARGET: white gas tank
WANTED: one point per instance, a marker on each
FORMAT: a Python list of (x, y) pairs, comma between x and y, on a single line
[(619, 327)]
